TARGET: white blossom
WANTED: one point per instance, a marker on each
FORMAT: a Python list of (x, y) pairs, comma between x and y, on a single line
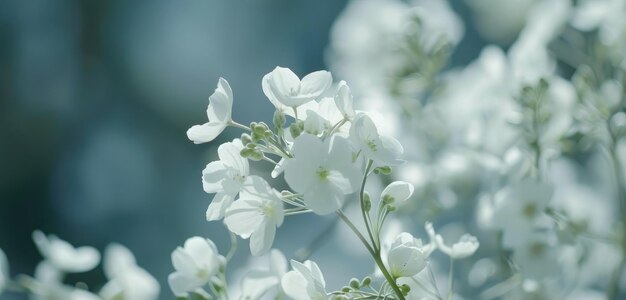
[(218, 112), (225, 177), (407, 256), (195, 264), (382, 149), (284, 89), (305, 282), (126, 279), (63, 256), (256, 215), (466, 246), (257, 283), (322, 171), (397, 192)]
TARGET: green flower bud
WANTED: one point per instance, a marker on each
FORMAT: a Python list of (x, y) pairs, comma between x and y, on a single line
[(366, 281), (367, 202), (354, 283), (279, 119), (405, 289), (346, 289), (246, 139), (295, 130)]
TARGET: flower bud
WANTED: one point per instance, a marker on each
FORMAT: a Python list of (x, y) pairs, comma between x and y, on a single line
[(366, 281), (246, 139), (279, 119), (405, 289), (367, 202), (354, 283), (296, 129)]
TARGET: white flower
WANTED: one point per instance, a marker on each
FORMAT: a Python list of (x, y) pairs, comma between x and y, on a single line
[(344, 101), (406, 256), (4, 270), (305, 282), (126, 279), (520, 208), (63, 256), (466, 246), (537, 257), (255, 215), (257, 283), (284, 88), (322, 171), (383, 150), (219, 115), (225, 177), (605, 15), (195, 263), (397, 192)]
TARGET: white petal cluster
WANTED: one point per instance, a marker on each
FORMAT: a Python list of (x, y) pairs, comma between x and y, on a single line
[(286, 91), (63, 256), (407, 256), (322, 171), (259, 282), (304, 282), (126, 279), (195, 264), (256, 215)]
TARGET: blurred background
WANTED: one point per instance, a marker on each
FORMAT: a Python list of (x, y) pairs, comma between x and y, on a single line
[(95, 99)]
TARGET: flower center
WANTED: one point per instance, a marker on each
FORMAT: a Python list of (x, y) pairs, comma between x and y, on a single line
[(322, 173), (529, 210), (537, 249), (370, 144)]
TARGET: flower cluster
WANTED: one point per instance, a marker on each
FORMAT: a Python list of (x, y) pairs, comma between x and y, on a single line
[(126, 279), (325, 150)]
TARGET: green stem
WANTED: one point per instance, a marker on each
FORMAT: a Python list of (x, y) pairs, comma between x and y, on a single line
[(616, 278), (375, 255), (366, 216), (241, 126), (451, 279)]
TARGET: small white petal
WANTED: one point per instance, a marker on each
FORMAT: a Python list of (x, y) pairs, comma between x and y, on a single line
[(398, 191), (206, 132), (218, 206)]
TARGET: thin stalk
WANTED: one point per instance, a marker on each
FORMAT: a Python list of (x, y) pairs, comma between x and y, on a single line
[(366, 215), (241, 126), (451, 279), (616, 278), (375, 255)]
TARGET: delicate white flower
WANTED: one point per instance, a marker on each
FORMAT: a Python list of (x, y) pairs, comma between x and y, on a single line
[(406, 256), (195, 263), (256, 215), (225, 177), (314, 123), (397, 192), (383, 150), (605, 15), (519, 208), (126, 279), (4, 270), (305, 282), (322, 171), (466, 246), (537, 256), (344, 101), (219, 114), (63, 256), (284, 88), (257, 283)]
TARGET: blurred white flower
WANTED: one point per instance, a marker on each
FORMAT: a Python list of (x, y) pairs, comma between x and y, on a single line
[(382, 149), (537, 257), (305, 282), (605, 15), (219, 114), (407, 256), (322, 171), (63, 256), (284, 89), (397, 192), (256, 215), (225, 177), (126, 279), (195, 264), (257, 283), (4, 271), (519, 207), (466, 246)]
